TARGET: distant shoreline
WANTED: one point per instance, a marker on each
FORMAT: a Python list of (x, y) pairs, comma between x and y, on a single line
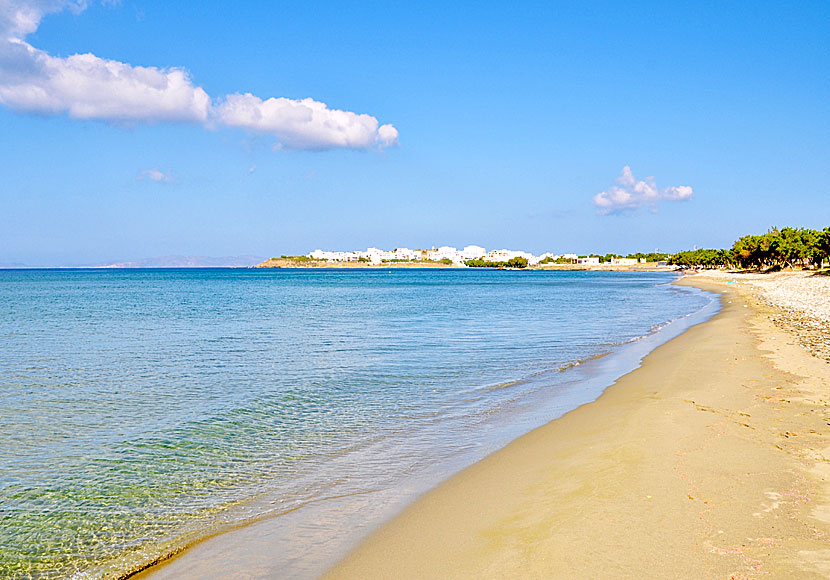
[(319, 265), (130, 268), (292, 265), (289, 263), (295, 264)]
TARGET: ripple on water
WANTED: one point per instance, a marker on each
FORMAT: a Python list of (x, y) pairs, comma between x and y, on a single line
[(143, 409)]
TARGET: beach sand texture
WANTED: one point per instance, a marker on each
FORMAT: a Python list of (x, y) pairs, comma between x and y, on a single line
[(710, 461), (800, 302)]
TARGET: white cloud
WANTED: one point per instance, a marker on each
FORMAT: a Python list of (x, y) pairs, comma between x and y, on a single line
[(628, 194), (678, 193), (304, 124), (85, 86), (155, 175), (21, 17)]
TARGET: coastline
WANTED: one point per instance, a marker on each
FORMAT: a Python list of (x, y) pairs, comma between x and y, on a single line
[(335, 525), (707, 461), (301, 264), (287, 263)]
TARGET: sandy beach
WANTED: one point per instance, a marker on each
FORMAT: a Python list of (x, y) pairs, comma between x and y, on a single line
[(709, 461)]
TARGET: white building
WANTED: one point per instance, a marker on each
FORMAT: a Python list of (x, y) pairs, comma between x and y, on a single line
[(444, 253), (449, 253), (587, 261), (320, 255), (458, 257), (376, 255), (623, 261), (472, 252), (505, 255), (431, 255), (334, 256), (498, 255), (406, 254)]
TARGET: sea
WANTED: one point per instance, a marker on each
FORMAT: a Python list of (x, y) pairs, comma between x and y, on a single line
[(142, 411)]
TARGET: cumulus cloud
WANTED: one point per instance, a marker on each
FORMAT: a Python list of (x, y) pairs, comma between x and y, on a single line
[(155, 175), (19, 18), (304, 124), (85, 86), (628, 194)]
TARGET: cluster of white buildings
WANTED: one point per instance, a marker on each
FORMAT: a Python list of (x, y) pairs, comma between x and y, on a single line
[(376, 256), (456, 256)]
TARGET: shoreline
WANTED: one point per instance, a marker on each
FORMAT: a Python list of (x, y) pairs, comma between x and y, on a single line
[(241, 551), (289, 264), (707, 461)]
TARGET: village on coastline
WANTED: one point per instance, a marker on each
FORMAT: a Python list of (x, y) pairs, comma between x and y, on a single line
[(469, 256), (778, 248)]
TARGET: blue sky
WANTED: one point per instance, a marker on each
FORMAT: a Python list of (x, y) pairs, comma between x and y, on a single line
[(503, 125)]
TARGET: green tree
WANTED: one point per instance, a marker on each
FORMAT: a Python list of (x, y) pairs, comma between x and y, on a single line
[(792, 246), (821, 246), (702, 258), (777, 247)]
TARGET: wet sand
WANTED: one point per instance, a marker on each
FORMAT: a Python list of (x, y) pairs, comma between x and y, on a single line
[(710, 461)]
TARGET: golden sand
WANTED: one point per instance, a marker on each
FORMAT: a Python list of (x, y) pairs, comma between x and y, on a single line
[(710, 461)]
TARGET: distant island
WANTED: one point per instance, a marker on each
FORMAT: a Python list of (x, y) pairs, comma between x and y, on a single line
[(188, 262), (172, 261)]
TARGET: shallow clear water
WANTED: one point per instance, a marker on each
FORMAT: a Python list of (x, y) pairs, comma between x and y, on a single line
[(142, 409)]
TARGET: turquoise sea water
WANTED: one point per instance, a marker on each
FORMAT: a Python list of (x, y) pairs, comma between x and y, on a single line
[(143, 409)]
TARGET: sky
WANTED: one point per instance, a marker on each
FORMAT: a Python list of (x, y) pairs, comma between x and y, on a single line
[(135, 129)]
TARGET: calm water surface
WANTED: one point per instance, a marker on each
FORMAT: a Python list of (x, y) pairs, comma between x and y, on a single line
[(143, 409)]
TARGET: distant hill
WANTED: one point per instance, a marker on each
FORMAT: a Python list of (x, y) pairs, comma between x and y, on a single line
[(158, 262), (188, 262)]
